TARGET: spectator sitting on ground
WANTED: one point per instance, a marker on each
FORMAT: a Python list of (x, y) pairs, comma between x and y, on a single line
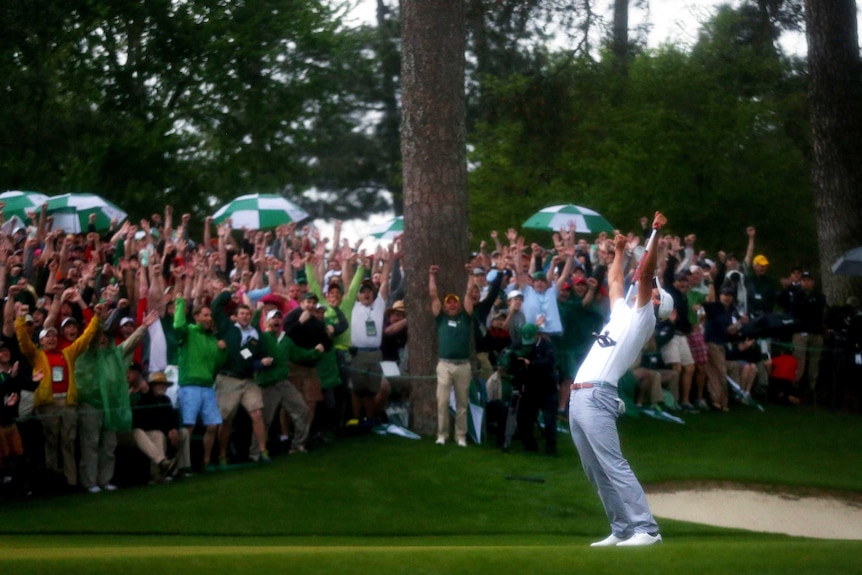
[(156, 433), (782, 370)]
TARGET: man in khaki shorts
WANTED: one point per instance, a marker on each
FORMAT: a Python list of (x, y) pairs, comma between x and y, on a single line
[(234, 384)]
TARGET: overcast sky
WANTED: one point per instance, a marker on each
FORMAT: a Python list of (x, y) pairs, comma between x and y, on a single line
[(677, 20)]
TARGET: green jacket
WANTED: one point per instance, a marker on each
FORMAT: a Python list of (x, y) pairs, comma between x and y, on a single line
[(199, 355), (282, 352), (240, 358), (341, 341)]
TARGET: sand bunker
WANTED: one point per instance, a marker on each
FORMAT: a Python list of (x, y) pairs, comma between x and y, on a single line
[(822, 517)]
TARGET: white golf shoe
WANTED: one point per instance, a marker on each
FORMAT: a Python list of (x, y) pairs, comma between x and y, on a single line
[(608, 541), (640, 540)]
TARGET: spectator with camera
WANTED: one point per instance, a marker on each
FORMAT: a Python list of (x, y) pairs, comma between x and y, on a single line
[(531, 367), (807, 305)]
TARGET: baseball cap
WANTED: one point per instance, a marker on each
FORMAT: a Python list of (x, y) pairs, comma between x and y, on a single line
[(272, 313), (528, 333), (68, 320), (540, 276), (478, 272), (29, 319), (579, 280), (126, 320), (451, 297), (760, 260), (514, 293), (807, 275), (311, 295), (46, 331)]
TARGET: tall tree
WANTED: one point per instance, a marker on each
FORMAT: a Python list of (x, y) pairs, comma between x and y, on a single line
[(835, 103), (620, 34), (433, 151)]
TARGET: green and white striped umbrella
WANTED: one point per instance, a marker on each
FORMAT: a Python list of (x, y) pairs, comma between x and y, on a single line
[(556, 218), (259, 212), (19, 203), (72, 212), (388, 230)]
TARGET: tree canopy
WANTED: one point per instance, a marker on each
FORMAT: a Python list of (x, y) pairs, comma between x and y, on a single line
[(184, 102), (714, 136), (193, 102)]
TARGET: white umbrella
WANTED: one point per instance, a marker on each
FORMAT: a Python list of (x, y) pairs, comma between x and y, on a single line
[(18, 203), (259, 212), (556, 218), (72, 212), (388, 230)]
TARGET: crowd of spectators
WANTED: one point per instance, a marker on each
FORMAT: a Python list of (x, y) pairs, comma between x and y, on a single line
[(141, 340)]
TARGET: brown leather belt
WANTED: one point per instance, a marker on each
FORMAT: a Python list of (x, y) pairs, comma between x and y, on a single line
[(590, 384)]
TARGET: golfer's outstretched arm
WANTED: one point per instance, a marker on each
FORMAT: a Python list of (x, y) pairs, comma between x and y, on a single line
[(648, 269), (616, 278)]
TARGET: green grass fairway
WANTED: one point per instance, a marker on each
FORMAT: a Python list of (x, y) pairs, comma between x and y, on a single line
[(379, 505)]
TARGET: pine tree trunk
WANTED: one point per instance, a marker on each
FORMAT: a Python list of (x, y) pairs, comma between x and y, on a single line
[(621, 35), (433, 151), (835, 103)]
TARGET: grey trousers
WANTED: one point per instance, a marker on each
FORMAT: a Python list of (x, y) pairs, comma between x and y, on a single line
[(98, 445), (593, 421), (284, 394)]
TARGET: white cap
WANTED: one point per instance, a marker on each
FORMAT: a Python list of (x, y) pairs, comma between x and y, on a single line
[(665, 306), (126, 320), (272, 313), (514, 293), (46, 331)]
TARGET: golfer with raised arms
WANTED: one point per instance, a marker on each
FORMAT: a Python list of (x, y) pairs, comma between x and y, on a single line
[(594, 405)]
